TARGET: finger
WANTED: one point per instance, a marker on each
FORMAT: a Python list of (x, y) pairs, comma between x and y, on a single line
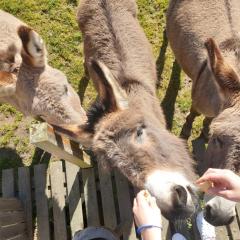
[(210, 177), (215, 190), (141, 199), (135, 202), (153, 203), (209, 172), (226, 194)]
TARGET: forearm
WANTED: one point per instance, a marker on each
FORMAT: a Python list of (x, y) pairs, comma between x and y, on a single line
[(152, 234)]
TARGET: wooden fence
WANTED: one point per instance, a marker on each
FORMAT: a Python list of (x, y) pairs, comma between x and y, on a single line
[(63, 199)]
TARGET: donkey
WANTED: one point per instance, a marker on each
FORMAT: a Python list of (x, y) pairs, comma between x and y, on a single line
[(26, 80), (126, 127), (204, 36)]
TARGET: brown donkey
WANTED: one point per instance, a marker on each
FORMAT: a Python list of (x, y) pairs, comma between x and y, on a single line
[(28, 82), (204, 36), (126, 127)]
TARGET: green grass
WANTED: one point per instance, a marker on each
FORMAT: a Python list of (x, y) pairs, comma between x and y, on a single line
[(55, 21)]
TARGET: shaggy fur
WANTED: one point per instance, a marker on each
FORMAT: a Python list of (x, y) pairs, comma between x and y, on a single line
[(28, 82), (134, 139), (204, 36)]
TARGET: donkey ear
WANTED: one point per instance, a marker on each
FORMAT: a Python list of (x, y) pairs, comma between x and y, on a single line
[(76, 132), (34, 52), (225, 75), (109, 88)]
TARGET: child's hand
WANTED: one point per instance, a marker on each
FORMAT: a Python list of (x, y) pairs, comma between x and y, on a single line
[(225, 183), (146, 210)]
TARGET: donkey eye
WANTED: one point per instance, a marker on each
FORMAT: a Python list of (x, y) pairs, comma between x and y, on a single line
[(139, 131)]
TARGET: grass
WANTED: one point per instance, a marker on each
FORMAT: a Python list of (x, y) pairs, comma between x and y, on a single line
[(55, 21)]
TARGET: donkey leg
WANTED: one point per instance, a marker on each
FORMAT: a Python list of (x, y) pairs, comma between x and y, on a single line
[(205, 130), (187, 127)]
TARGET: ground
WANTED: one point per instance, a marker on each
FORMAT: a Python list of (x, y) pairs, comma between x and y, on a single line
[(55, 21)]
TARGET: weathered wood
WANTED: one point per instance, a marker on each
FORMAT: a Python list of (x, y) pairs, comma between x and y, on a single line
[(221, 233), (109, 212), (40, 181), (20, 237), (125, 206), (8, 183), (10, 204), (90, 196), (24, 189), (233, 230), (165, 229), (11, 231), (58, 200), (43, 136), (74, 198), (12, 217), (238, 214)]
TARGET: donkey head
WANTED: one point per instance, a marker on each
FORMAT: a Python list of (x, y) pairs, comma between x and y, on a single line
[(43, 91), (124, 131), (223, 148)]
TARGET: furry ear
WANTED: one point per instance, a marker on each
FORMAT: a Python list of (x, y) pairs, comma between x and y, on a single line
[(34, 52), (7, 84), (225, 75), (77, 133), (109, 89)]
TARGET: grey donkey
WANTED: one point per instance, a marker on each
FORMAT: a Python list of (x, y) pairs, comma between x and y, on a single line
[(27, 81), (126, 127), (204, 36)]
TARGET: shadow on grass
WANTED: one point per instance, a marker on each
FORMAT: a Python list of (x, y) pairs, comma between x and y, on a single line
[(161, 59), (73, 2), (83, 86), (9, 158), (168, 103)]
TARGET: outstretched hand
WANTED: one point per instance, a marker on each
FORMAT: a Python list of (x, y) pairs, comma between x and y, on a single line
[(146, 212), (225, 183)]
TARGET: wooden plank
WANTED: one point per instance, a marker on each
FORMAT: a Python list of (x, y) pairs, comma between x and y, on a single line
[(24, 189), (109, 211), (40, 181), (58, 198), (125, 206), (165, 228), (20, 237), (8, 218), (238, 214), (90, 197), (74, 198), (43, 136), (221, 233), (8, 232), (8, 183), (10, 204), (233, 230)]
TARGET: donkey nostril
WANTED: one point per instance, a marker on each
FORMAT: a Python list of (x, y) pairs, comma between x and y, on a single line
[(181, 195), (208, 212)]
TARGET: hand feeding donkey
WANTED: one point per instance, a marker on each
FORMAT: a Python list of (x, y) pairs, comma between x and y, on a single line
[(204, 36), (26, 80), (126, 127)]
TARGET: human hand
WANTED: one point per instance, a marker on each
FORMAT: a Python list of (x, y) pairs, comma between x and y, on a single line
[(146, 212), (145, 209), (225, 183)]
